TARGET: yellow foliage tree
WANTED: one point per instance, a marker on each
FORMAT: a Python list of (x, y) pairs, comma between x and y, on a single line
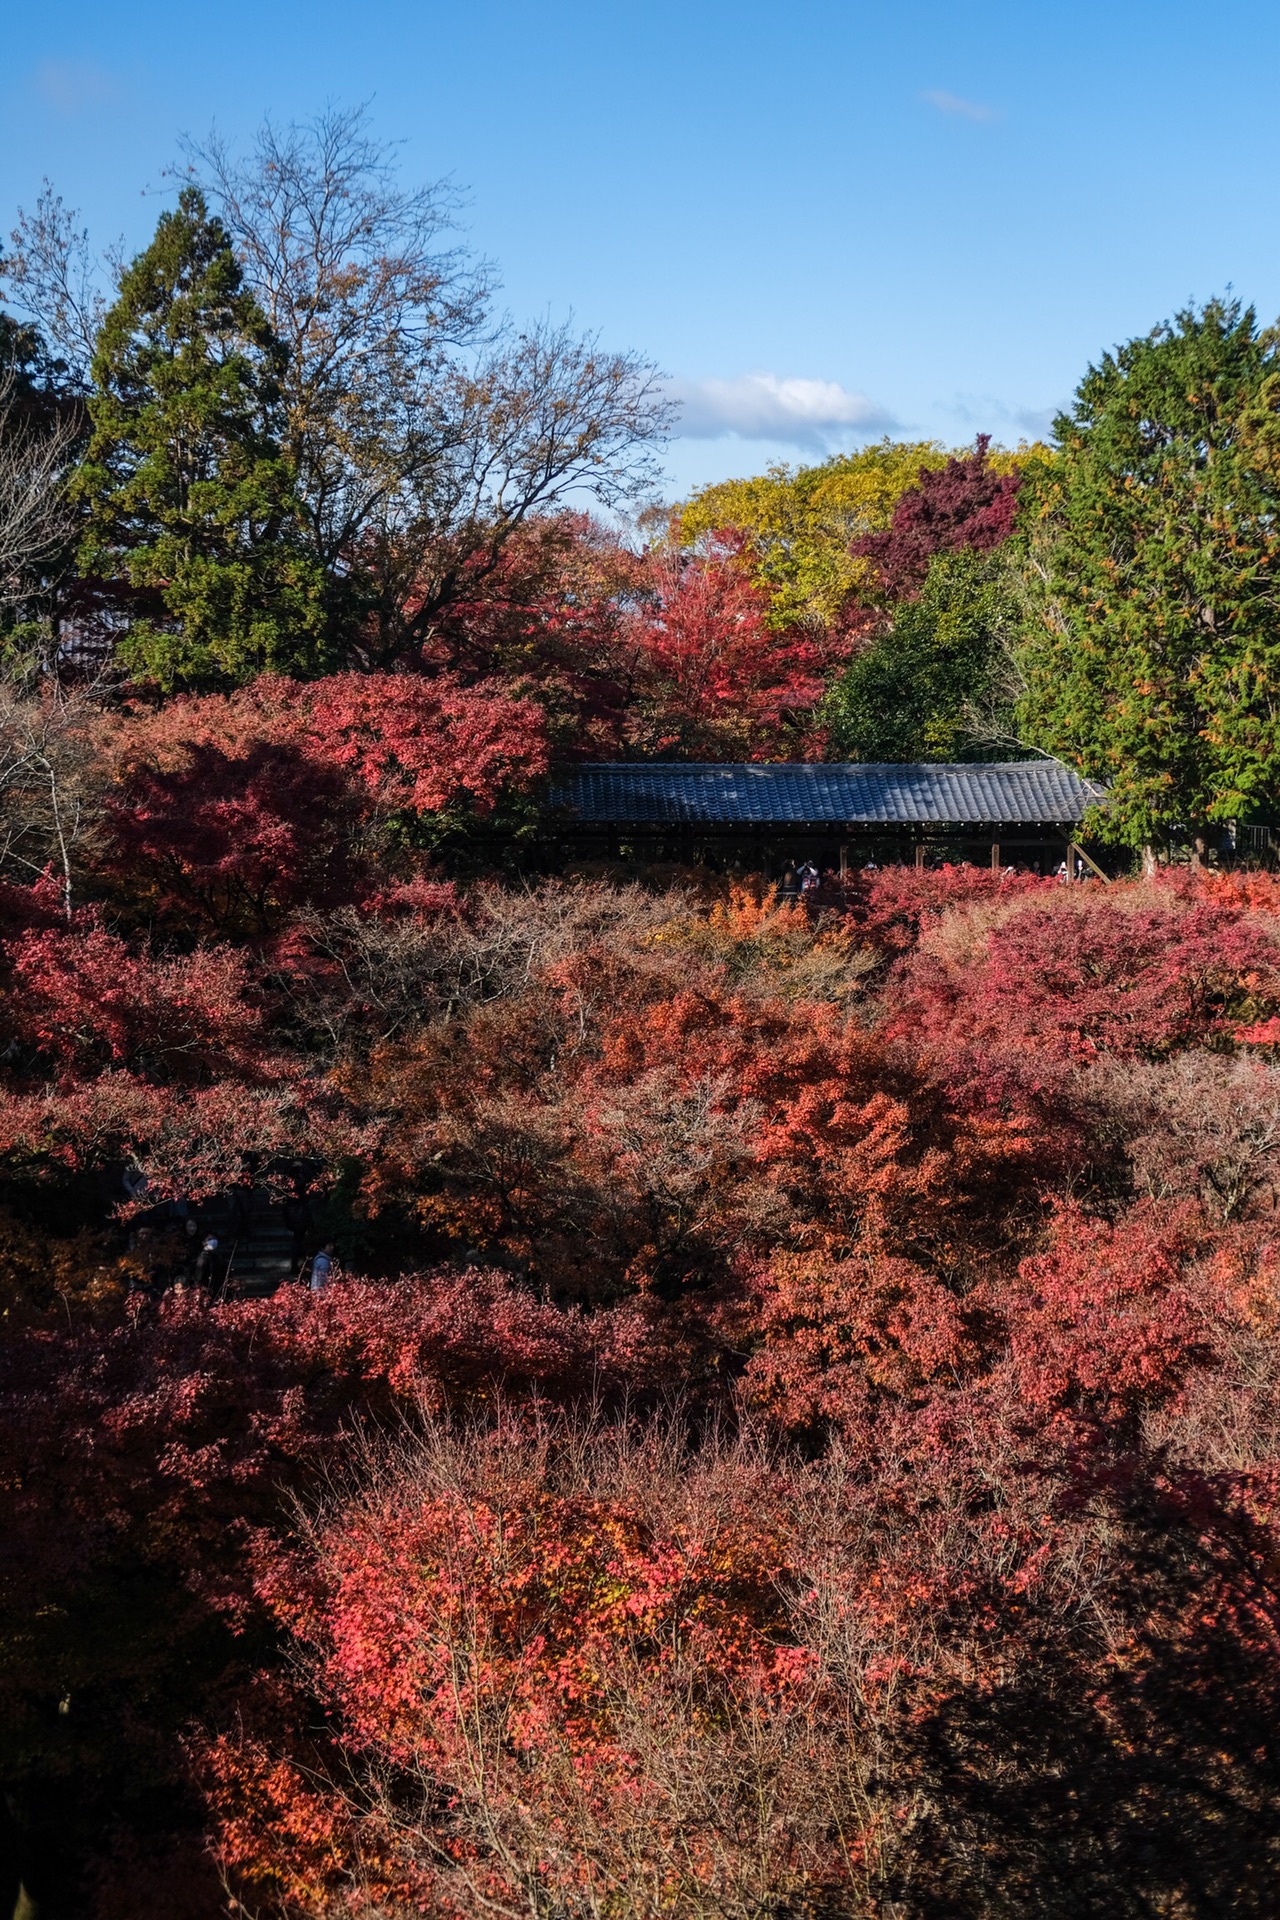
[(800, 521)]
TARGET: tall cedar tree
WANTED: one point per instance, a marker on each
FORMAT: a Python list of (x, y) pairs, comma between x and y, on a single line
[(190, 502), (1154, 664)]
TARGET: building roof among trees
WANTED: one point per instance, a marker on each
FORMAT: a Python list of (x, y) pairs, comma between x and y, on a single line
[(1022, 792)]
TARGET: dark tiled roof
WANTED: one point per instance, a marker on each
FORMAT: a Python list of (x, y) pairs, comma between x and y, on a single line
[(1025, 792)]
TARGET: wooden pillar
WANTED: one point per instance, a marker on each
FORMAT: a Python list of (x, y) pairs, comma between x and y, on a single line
[(919, 857), (1071, 861), (844, 861), (995, 856)]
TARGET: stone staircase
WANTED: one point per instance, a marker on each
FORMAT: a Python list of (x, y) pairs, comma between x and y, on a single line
[(256, 1246)]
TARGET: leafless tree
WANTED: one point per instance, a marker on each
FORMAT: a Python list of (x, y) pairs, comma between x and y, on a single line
[(52, 778), (546, 415), (54, 277), (36, 450), (393, 973), (358, 279), (424, 430)]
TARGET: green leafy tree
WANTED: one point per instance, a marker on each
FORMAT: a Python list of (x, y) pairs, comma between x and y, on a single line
[(1153, 659), (190, 502), (933, 685)]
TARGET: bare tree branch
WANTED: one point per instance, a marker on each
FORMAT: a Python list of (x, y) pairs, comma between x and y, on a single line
[(54, 278), (356, 278), (52, 778), (36, 452), (423, 431)]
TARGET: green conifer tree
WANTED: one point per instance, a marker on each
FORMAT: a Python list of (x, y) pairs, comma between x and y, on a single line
[(931, 686), (1153, 659), (190, 503)]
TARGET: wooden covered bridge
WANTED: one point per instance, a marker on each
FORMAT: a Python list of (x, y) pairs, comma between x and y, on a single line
[(769, 815)]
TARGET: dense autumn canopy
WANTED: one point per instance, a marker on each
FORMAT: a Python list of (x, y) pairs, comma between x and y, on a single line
[(587, 1391), (784, 1361)]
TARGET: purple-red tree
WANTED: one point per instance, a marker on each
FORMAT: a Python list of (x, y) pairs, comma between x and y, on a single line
[(967, 503)]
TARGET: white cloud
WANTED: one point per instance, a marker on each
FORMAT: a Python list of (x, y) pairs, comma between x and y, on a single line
[(70, 86), (1035, 423), (761, 406), (986, 414), (953, 103)]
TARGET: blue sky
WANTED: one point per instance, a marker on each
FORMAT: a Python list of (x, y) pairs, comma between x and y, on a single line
[(823, 221)]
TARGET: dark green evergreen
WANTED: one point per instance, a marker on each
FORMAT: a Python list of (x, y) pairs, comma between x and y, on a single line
[(190, 502), (1153, 659), (25, 363), (931, 685)]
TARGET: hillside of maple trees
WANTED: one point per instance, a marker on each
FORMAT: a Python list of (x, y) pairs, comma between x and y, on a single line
[(793, 1424), (794, 1427), (579, 1391)]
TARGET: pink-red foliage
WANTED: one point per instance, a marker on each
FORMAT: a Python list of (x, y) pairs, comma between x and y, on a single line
[(889, 908), (965, 503), (229, 840), (840, 1338), (1075, 977), (39, 906), (179, 1429), (84, 999), (234, 809), (718, 681), (424, 745), (1104, 1325), (552, 618), (952, 1194), (190, 1143)]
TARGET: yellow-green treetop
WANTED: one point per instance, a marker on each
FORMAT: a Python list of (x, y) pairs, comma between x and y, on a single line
[(800, 521)]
